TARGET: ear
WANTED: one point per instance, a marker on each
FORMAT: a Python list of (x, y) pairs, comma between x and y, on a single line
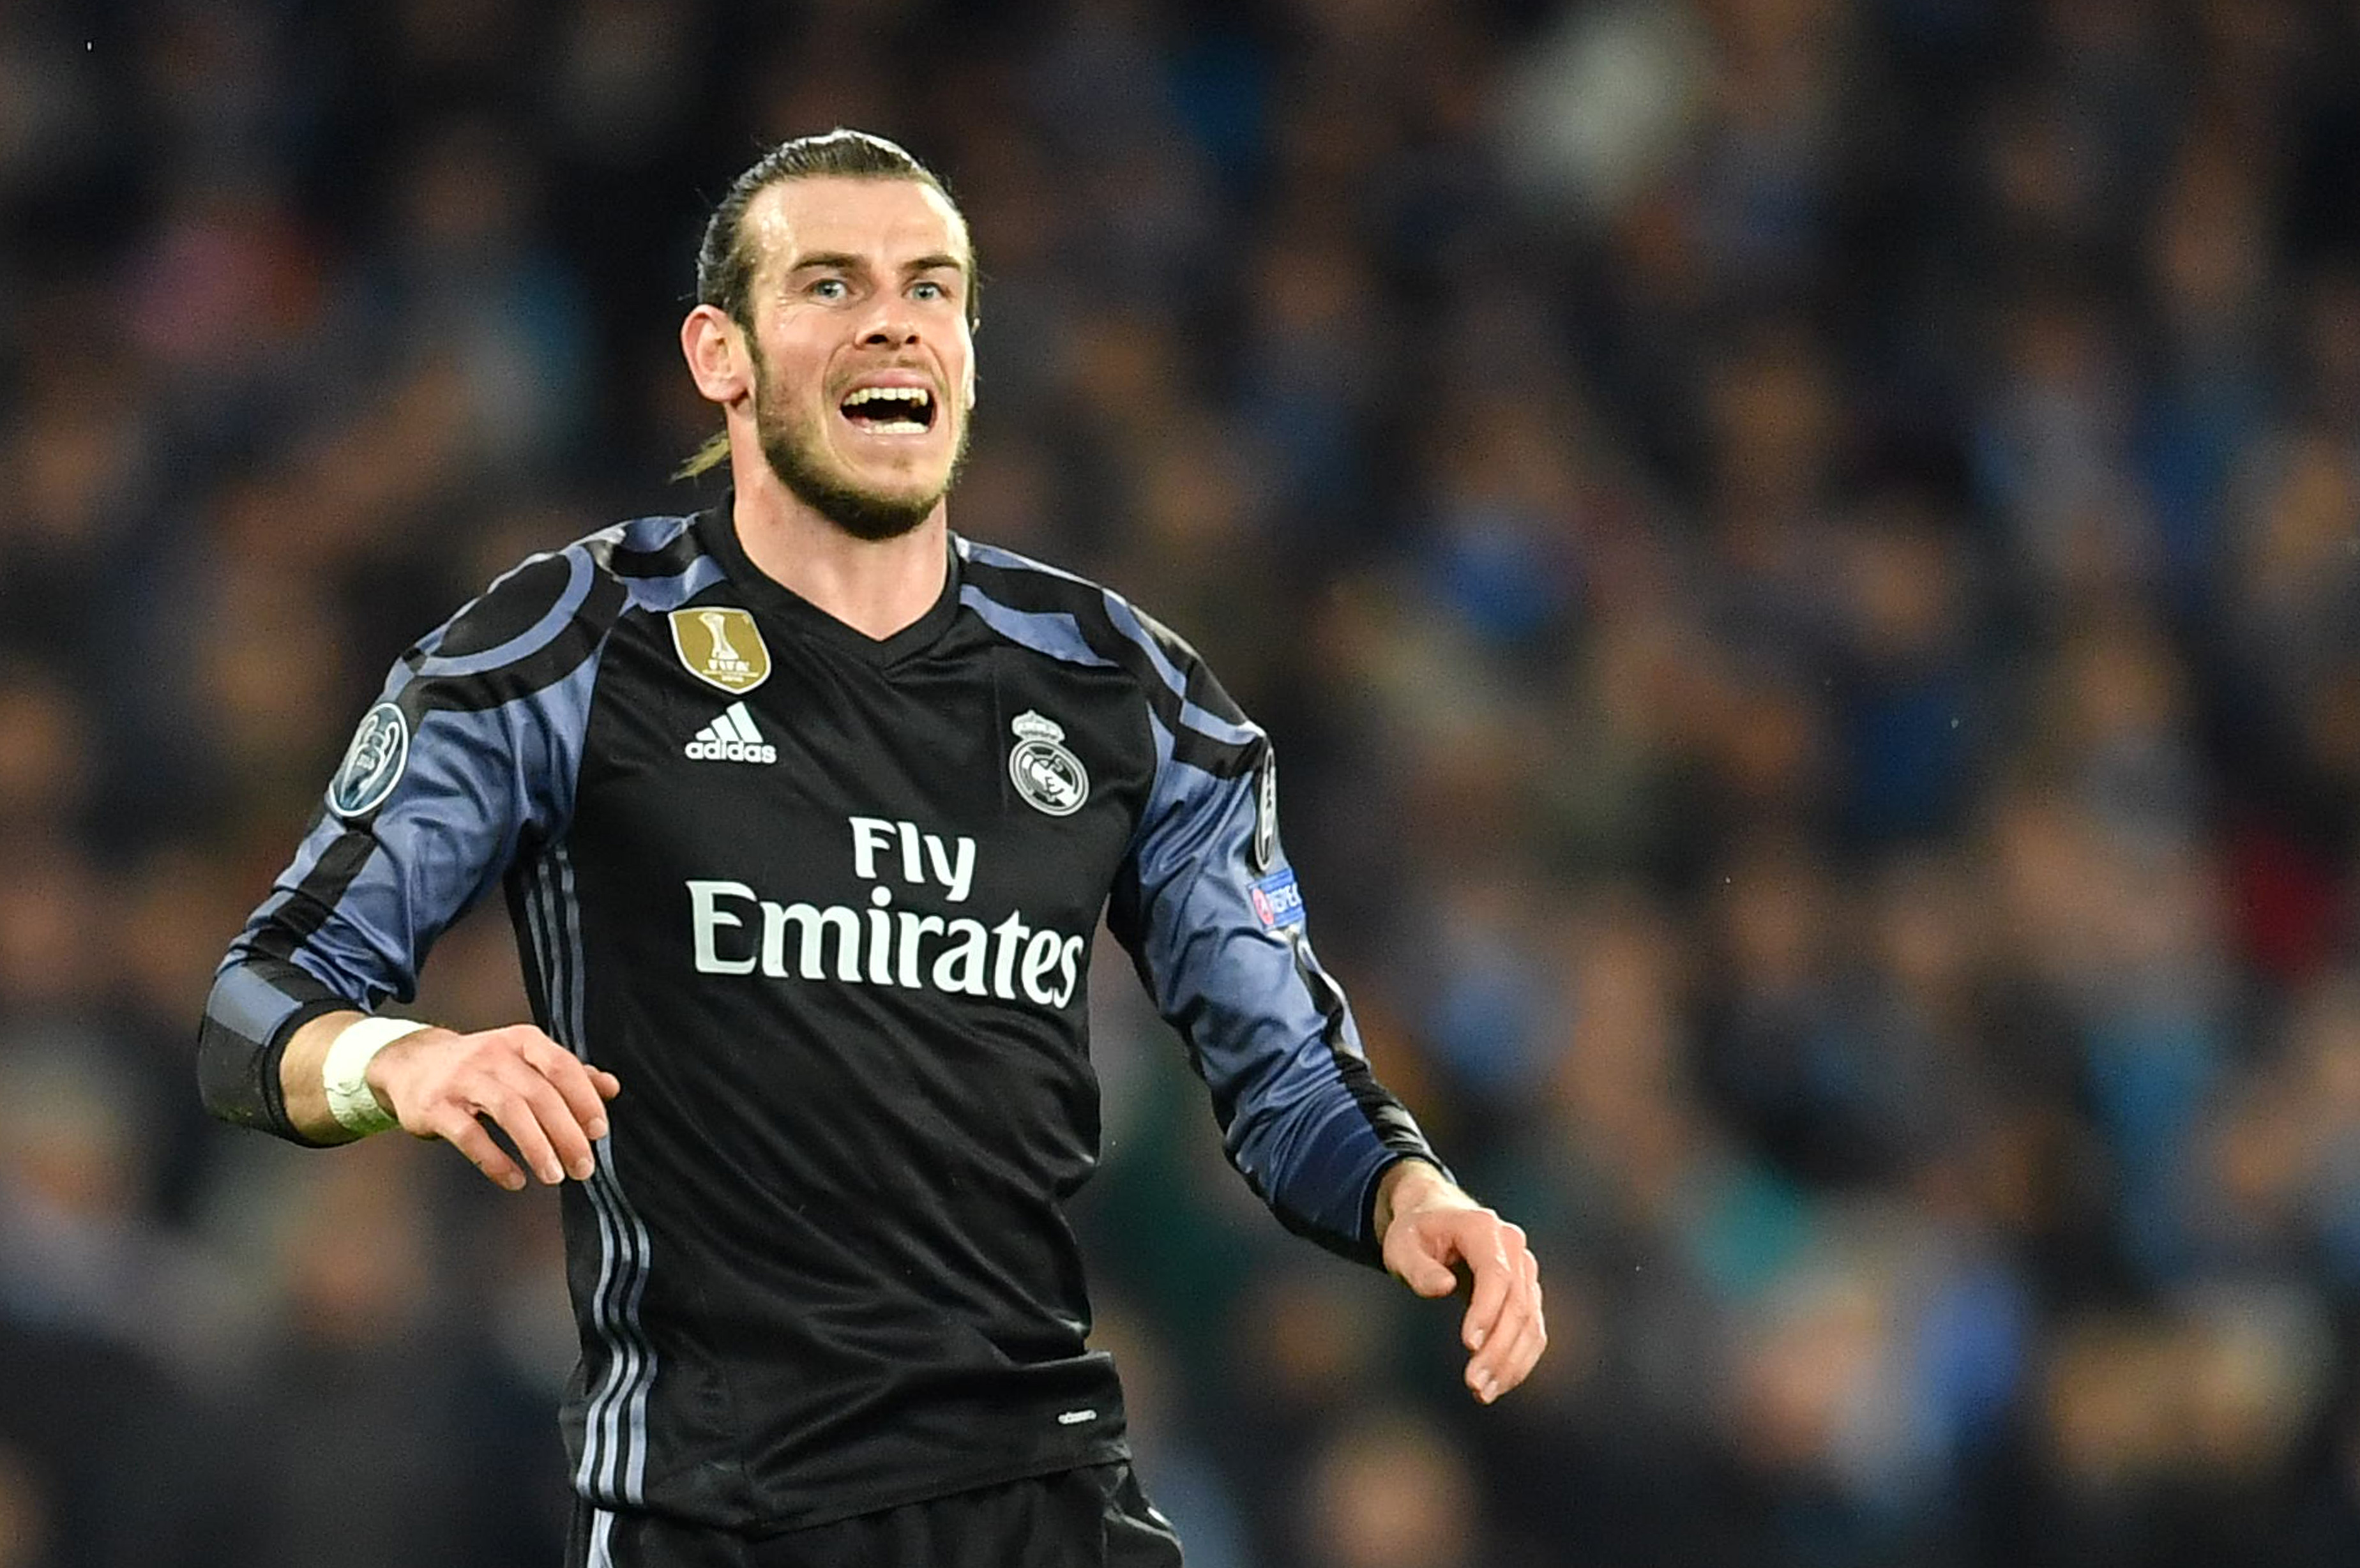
[(715, 351)]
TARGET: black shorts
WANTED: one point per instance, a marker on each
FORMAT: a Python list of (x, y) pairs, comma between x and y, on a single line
[(1092, 1518)]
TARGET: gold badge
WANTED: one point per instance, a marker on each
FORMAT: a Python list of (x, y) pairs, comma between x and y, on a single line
[(719, 643)]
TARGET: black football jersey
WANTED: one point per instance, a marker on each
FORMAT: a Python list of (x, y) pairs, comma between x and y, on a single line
[(824, 904)]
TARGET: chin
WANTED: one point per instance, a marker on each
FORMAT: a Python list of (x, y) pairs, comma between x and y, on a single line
[(902, 493), (866, 511), (898, 484), (884, 503)]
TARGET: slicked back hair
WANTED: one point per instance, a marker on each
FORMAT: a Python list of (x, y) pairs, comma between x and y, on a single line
[(727, 259)]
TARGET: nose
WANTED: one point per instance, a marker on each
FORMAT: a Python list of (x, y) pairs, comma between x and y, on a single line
[(892, 327)]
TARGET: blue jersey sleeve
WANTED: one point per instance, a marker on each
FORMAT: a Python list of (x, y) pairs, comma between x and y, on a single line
[(470, 753), (1211, 914)]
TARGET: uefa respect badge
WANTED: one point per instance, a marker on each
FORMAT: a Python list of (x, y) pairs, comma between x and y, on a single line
[(1277, 902)]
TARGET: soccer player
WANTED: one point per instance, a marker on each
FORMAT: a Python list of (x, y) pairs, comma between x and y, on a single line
[(806, 809)]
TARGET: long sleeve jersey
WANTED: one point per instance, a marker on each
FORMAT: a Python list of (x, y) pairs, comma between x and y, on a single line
[(824, 903)]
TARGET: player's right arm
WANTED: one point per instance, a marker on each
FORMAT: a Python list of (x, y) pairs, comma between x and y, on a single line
[(440, 1083), (465, 766)]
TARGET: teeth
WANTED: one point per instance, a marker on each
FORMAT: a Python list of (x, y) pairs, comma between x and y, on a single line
[(917, 397)]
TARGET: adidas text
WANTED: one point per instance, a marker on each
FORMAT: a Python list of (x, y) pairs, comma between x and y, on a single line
[(731, 737), (704, 749)]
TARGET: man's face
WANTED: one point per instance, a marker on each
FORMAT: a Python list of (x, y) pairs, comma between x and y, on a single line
[(864, 364)]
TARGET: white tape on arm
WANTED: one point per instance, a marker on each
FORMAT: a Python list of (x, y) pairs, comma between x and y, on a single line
[(343, 1072)]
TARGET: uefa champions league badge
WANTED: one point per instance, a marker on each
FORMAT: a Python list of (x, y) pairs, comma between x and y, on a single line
[(372, 764), (1277, 902), (1049, 778)]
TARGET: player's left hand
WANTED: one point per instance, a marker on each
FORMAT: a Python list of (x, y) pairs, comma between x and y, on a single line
[(1428, 1223)]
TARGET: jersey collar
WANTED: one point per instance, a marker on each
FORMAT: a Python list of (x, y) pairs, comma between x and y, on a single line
[(717, 530)]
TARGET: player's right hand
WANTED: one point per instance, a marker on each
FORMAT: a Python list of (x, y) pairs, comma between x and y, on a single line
[(550, 1103)]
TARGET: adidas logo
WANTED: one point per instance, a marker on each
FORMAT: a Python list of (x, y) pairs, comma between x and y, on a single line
[(732, 737)]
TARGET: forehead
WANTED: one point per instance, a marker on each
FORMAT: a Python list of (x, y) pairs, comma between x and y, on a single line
[(885, 222)]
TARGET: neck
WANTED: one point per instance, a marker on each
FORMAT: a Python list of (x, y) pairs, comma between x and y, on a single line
[(875, 586)]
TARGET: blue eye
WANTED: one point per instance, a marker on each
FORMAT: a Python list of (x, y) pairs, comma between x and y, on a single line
[(830, 289), (928, 290)]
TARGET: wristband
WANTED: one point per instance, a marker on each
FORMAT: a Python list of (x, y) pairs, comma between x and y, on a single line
[(343, 1072)]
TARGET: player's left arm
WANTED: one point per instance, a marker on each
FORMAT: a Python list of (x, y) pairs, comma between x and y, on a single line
[(1212, 914)]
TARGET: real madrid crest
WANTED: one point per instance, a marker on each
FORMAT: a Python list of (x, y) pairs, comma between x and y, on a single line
[(720, 644), (1049, 778)]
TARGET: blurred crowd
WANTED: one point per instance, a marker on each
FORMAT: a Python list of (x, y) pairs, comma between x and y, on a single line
[(1802, 558)]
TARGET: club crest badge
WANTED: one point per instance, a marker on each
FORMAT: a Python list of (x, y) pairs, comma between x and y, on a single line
[(1049, 778), (721, 646), (372, 764)]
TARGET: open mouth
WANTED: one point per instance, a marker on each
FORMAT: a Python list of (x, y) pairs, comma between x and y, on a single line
[(891, 410)]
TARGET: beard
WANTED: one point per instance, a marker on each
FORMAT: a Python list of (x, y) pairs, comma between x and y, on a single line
[(796, 456)]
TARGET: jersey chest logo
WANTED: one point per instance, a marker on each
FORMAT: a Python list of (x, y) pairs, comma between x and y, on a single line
[(720, 644), (1049, 778)]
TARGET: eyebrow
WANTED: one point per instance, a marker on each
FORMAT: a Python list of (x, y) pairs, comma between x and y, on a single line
[(844, 261)]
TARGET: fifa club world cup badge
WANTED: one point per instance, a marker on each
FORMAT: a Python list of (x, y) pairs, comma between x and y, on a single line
[(720, 644), (1049, 778)]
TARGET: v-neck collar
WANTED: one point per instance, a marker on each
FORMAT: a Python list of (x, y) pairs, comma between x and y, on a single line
[(716, 529)]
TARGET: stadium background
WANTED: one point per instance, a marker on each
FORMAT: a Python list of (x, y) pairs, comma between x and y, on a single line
[(1803, 557)]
